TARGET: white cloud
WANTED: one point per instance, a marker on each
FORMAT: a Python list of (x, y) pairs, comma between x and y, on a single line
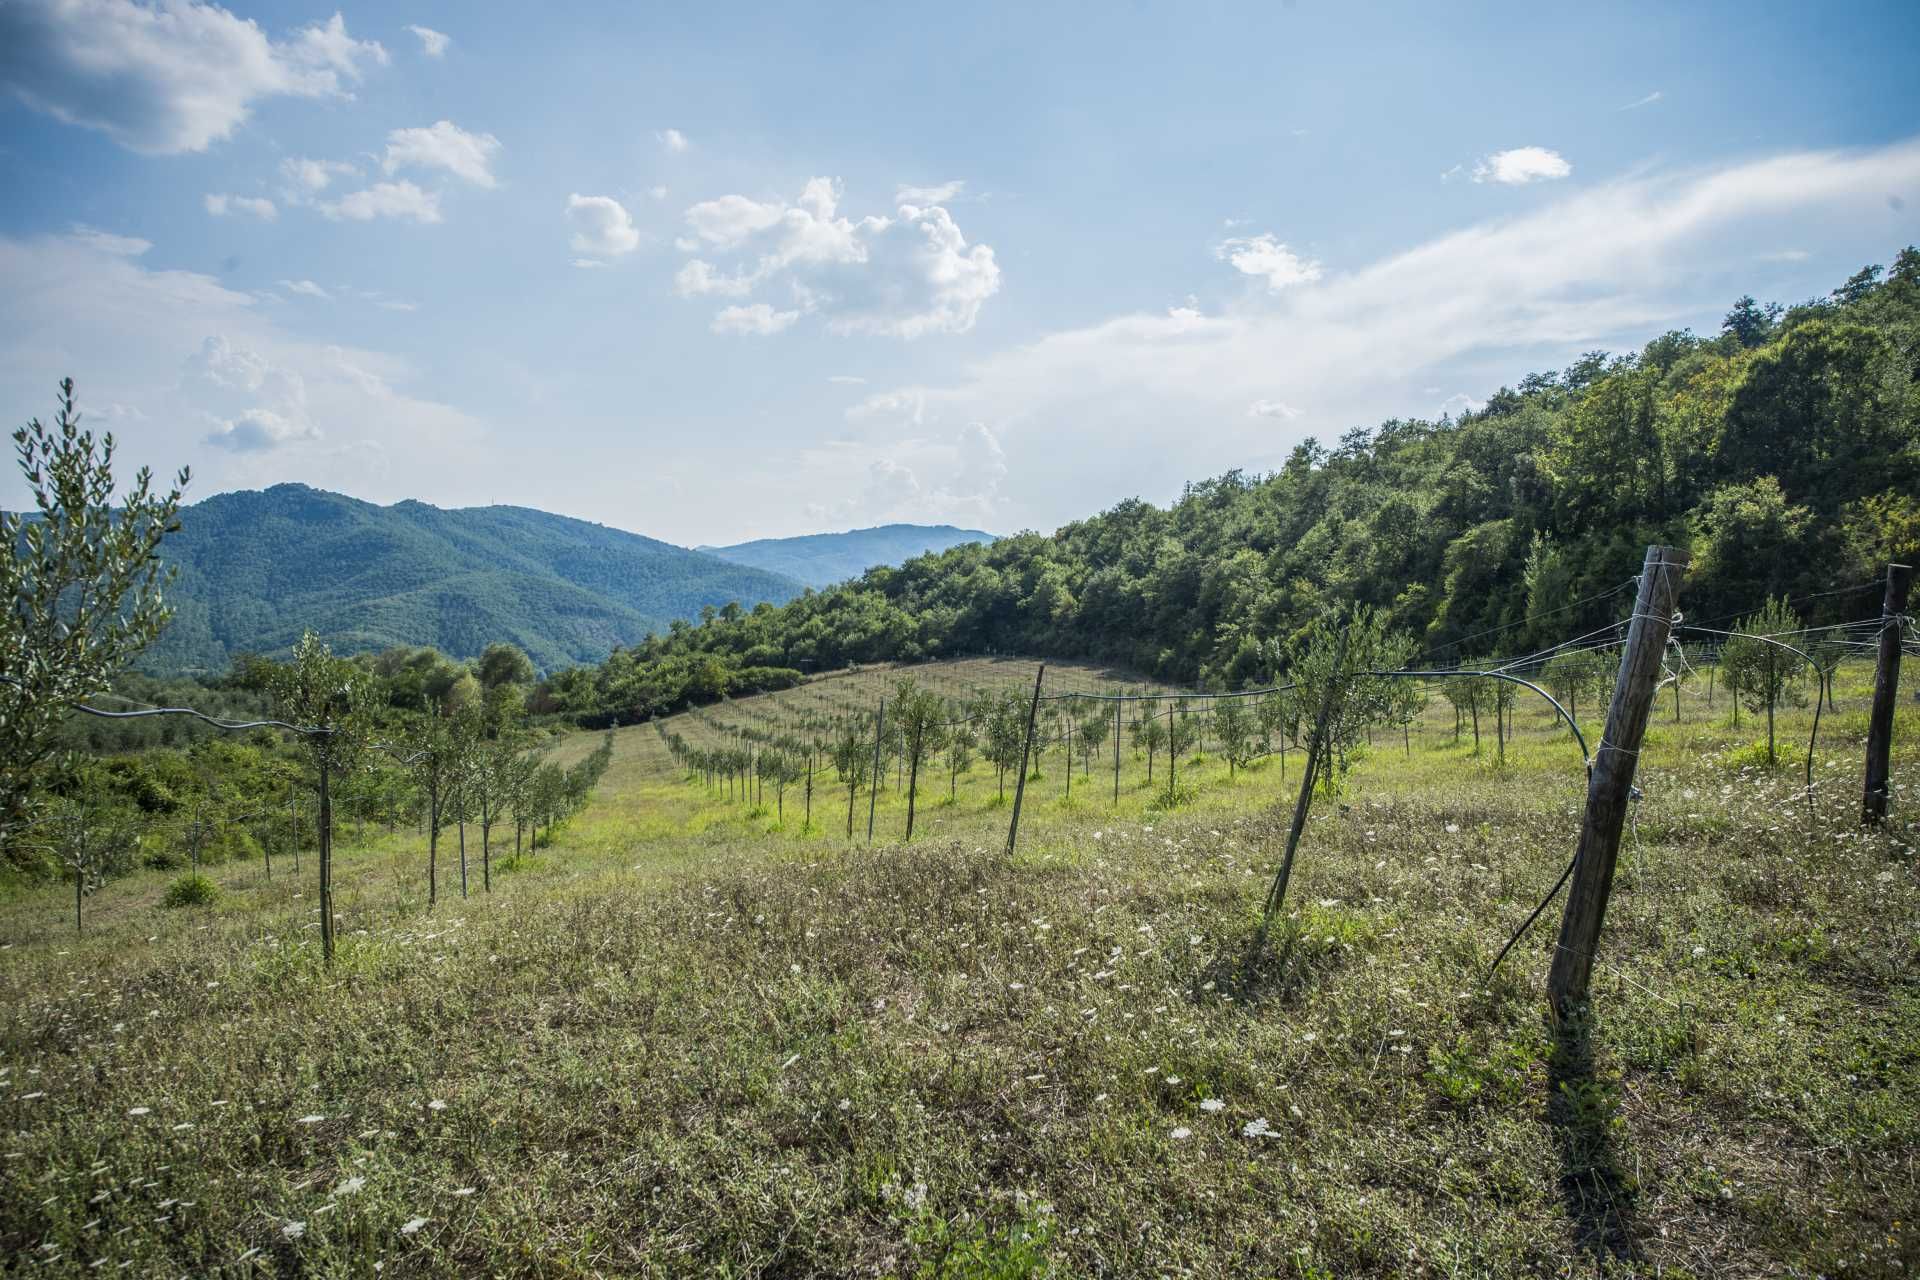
[(1786, 255), (1647, 101), (1522, 165), (756, 318), (903, 276), (222, 205), (166, 78), (432, 43), (906, 407), (215, 381), (444, 145), (1272, 409), (1267, 258), (386, 200), (305, 287), (847, 379), (956, 476), (940, 194), (602, 228), (1601, 267), (673, 140), (307, 178), (107, 242), (256, 430), (658, 193)]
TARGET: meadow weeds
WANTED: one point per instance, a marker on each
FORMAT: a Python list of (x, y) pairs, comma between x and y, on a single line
[(674, 1043)]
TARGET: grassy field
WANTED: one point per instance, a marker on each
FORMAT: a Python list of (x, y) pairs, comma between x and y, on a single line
[(703, 1037)]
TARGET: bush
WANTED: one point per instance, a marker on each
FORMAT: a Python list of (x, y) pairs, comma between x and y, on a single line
[(192, 891)]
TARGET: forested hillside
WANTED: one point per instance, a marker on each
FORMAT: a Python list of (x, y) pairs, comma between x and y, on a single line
[(823, 559), (258, 568), (1784, 450)]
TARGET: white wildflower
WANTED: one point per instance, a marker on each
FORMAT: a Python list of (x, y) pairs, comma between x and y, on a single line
[(1211, 1105), (412, 1225)]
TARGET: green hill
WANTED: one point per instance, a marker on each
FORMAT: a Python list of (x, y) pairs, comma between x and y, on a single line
[(257, 568), (823, 559)]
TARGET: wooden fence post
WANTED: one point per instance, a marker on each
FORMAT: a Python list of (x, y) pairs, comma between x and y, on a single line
[(1610, 780), (1020, 783), (1886, 688), (326, 863), (873, 792), (1116, 751)]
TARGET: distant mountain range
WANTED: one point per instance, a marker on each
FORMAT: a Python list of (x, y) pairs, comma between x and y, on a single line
[(259, 567), (822, 559)]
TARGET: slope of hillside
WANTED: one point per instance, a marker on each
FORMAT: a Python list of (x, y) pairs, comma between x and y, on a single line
[(822, 559), (259, 567)]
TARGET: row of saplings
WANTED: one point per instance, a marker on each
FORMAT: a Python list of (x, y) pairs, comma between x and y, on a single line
[(917, 726), (470, 762)]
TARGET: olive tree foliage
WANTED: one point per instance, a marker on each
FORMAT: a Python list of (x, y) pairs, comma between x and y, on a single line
[(920, 717), (1762, 671), (1316, 663), (84, 590)]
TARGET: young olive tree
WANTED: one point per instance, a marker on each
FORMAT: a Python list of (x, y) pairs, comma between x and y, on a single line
[(920, 716), (84, 590), (848, 753), (1761, 671), (332, 699)]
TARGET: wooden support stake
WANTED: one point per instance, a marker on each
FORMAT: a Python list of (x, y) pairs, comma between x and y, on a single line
[(1020, 783), (873, 792), (326, 864), (1116, 751), (1610, 779), (1886, 688)]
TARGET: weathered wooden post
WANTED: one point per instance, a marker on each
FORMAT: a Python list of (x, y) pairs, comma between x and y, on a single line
[(1886, 688), (326, 862), (1020, 783), (873, 792), (1610, 778), (1116, 750)]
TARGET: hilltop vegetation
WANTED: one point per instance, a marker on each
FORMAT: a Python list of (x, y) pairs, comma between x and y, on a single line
[(1785, 451), (258, 569)]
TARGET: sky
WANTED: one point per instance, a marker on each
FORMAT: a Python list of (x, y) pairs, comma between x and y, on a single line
[(714, 273)]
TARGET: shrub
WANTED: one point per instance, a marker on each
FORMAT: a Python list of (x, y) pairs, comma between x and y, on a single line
[(192, 891)]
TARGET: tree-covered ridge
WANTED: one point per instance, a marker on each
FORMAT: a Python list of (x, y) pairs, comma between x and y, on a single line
[(1785, 451), (257, 569), (823, 559)]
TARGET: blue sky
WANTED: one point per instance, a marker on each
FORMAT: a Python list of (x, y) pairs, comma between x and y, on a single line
[(725, 274)]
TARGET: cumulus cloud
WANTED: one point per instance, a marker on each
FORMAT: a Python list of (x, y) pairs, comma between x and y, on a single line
[(222, 205), (257, 430), (443, 145), (905, 276), (1266, 258), (306, 178), (432, 43), (756, 318), (602, 227), (673, 140), (167, 78), (1273, 409), (386, 200), (1522, 165)]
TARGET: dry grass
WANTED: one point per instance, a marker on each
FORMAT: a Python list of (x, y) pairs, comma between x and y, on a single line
[(681, 1043)]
